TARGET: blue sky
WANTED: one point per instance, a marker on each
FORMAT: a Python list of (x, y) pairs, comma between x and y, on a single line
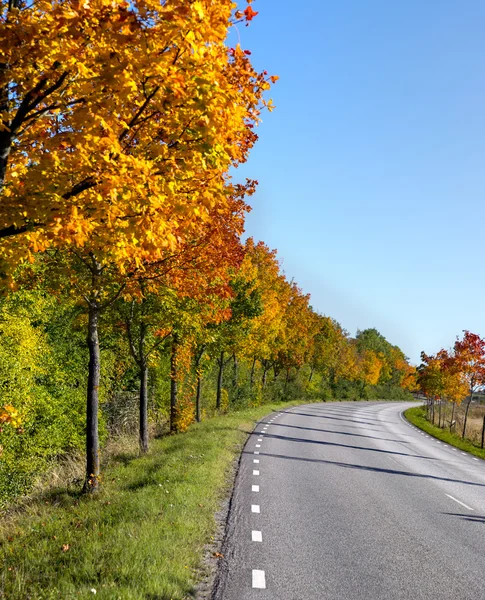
[(372, 167)]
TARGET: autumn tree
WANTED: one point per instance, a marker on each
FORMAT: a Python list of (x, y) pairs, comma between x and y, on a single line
[(469, 360), (119, 123)]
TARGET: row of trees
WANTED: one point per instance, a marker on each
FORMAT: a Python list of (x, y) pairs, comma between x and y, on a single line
[(454, 375), (120, 224)]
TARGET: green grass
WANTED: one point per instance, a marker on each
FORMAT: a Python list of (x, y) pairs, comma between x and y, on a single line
[(417, 416), (143, 536)]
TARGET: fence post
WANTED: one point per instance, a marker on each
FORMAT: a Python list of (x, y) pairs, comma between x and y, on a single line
[(483, 430)]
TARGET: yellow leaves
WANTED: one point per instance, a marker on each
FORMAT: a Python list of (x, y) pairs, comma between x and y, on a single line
[(10, 416), (154, 164), (198, 8)]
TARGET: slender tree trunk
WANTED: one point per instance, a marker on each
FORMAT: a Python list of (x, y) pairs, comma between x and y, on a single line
[(439, 413), (265, 370), (311, 374), (173, 385), (287, 378), (251, 378), (483, 432), (144, 407), (466, 416), (234, 371), (452, 414), (143, 391), (91, 483), (219, 381), (197, 398)]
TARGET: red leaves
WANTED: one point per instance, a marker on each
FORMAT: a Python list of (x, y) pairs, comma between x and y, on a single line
[(249, 13)]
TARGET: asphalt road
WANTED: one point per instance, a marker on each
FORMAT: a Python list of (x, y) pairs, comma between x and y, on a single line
[(353, 503)]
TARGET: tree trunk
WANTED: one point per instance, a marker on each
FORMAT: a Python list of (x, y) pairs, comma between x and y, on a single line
[(265, 370), (144, 408), (143, 391), (219, 381), (197, 398), (439, 413), (234, 372), (91, 483), (466, 416), (173, 385), (5, 144), (287, 378), (311, 374), (251, 378), (452, 414)]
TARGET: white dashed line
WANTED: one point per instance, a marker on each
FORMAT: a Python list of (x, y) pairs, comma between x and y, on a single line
[(459, 502), (255, 472), (260, 440), (255, 488), (256, 536), (464, 453), (258, 445), (256, 461), (259, 579), (256, 452), (255, 508), (475, 458)]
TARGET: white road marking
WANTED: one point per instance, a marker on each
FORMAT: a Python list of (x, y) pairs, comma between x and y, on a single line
[(475, 458), (459, 502), (260, 439), (259, 579), (255, 488), (256, 461), (255, 472), (256, 536), (256, 452), (255, 508), (258, 445), (438, 442), (464, 453)]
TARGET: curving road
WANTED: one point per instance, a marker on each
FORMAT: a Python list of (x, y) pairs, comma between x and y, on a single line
[(348, 501)]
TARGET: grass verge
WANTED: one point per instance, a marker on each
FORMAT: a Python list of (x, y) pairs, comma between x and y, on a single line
[(143, 536), (417, 416)]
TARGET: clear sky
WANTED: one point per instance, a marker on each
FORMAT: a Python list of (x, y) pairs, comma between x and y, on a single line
[(372, 167)]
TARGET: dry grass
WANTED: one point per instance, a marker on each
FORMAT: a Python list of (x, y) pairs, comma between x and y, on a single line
[(474, 421)]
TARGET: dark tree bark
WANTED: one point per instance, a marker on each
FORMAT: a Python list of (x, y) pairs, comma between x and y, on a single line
[(198, 393), (453, 404), (143, 364), (287, 378), (173, 385), (311, 374), (466, 416), (197, 399), (234, 371), (251, 378), (144, 408), (91, 483), (219, 380), (266, 367)]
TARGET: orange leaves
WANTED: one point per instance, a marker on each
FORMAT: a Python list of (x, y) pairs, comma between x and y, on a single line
[(249, 14), (10, 416), (154, 114)]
